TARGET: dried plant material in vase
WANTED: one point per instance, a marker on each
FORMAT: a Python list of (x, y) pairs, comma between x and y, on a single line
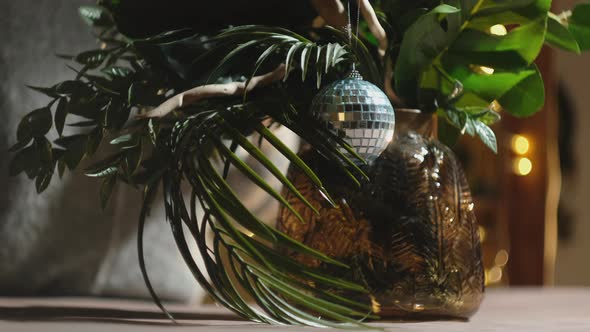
[(410, 234)]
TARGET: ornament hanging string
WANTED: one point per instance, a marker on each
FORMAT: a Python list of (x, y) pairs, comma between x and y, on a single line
[(344, 104), (199, 93), (349, 28)]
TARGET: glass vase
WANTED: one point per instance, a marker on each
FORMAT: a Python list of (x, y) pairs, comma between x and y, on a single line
[(409, 233)]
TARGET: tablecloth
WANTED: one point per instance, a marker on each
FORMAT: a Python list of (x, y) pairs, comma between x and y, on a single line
[(505, 309)]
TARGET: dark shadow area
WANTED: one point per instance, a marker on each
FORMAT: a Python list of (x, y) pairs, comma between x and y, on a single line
[(70, 313), (6, 183)]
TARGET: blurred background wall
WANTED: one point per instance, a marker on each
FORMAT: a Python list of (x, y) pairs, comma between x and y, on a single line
[(42, 233), (61, 242), (574, 245)]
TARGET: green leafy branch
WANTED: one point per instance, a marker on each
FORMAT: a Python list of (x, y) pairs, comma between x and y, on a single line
[(111, 82), (278, 283), (115, 82), (454, 41), (440, 52)]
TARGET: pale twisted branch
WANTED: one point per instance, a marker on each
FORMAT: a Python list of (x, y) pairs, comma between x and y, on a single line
[(199, 93), (333, 13), (388, 85), (374, 25)]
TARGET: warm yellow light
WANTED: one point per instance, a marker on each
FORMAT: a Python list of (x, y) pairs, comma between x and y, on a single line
[(375, 305), (494, 275), (341, 116), (501, 258), (482, 234), (418, 307), (523, 166), (486, 70), (520, 144), (482, 70), (495, 106), (498, 30)]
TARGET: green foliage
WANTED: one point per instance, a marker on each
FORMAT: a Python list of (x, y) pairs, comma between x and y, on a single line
[(35, 124), (559, 36), (116, 80), (95, 16), (579, 25), (452, 41), (438, 49)]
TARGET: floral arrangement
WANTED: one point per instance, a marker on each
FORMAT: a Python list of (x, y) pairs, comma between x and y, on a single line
[(171, 103)]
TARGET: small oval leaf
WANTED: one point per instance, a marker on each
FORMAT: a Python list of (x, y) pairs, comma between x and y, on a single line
[(24, 160), (35, 124), (91, 59), (61, 112), (110, 170), (106, 189), (43, 179), (72, 87), (95, 16)]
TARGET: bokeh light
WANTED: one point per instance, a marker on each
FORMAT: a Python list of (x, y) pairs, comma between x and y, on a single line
[(523, 166), (520, 144)]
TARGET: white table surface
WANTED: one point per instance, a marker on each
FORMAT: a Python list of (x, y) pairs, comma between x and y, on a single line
[(514, 309)]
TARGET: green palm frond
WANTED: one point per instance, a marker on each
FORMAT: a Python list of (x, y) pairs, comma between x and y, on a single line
[(433, 45), (279, 284), (243, 259)]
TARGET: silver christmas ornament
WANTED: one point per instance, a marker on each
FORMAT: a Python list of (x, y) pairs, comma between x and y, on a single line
[(358, 111)]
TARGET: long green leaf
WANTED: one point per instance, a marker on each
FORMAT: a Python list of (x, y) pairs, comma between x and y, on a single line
[(259, 155), (319, 67), (305, 54), (231, 203), (256, 179), (559, 36), (261, 59), (290, 56), (293, 158), (579, 25), (526, 98), (287, 265), (232, 54), (141, 256), (327, 308)]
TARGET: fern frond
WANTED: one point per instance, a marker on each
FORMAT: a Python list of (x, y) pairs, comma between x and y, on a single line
[(179, 149)]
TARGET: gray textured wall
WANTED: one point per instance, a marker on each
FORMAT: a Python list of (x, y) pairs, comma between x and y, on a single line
[(61, 242), (31, 32)]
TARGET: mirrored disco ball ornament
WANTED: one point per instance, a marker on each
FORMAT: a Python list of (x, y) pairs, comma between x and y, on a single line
[(359, 112)]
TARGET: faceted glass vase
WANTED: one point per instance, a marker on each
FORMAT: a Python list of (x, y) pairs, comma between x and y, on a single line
[(409, 234)]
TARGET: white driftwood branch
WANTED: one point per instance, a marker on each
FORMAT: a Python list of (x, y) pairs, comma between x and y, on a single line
[(332, 11), (379, 33), (388, 86), (334, 14), (374, 25), (199, 93)]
